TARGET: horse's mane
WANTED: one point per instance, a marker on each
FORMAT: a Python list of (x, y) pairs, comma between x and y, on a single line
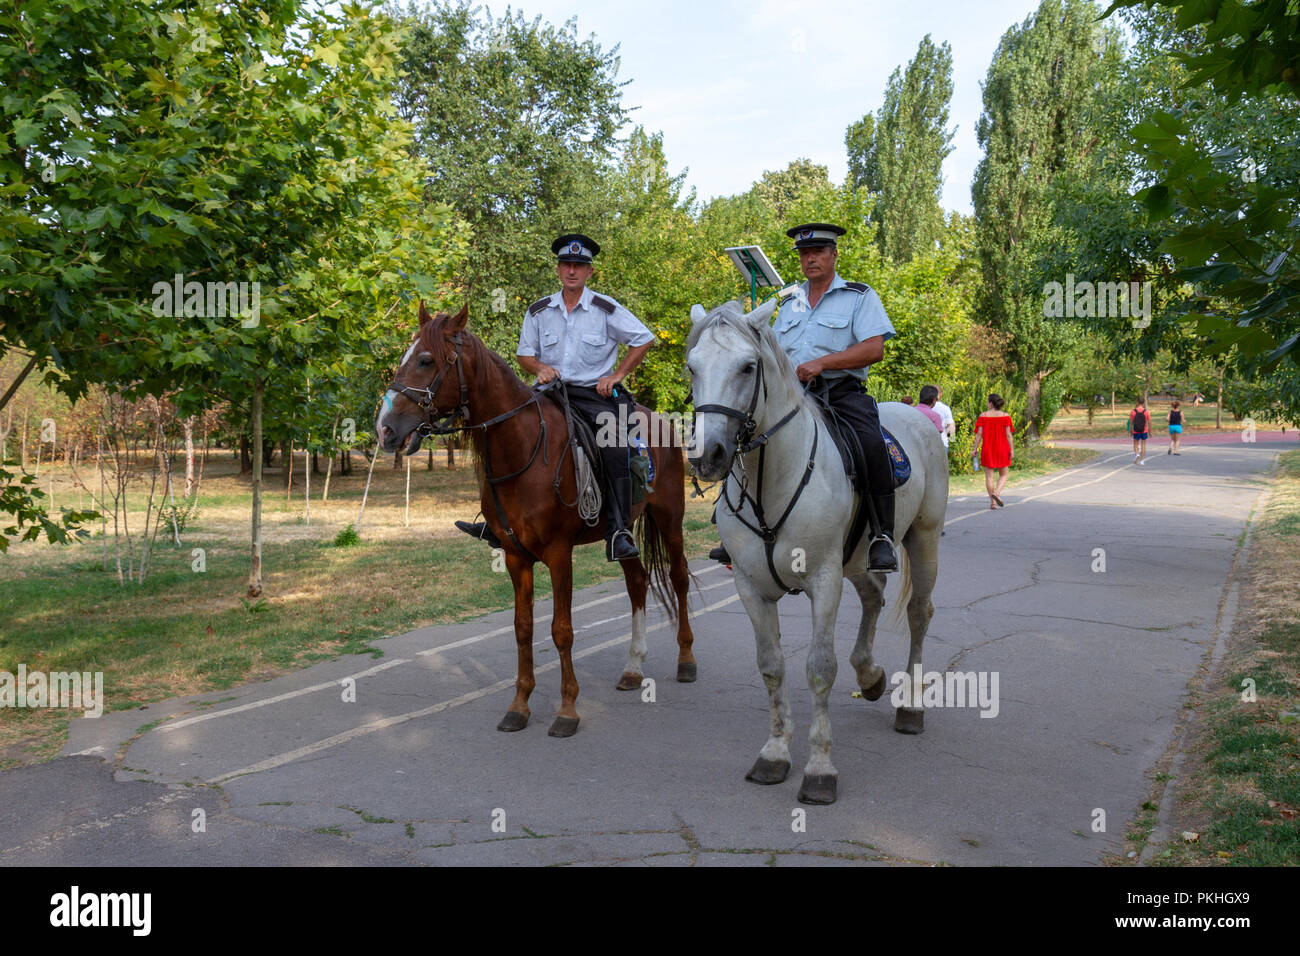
[(729, 315)]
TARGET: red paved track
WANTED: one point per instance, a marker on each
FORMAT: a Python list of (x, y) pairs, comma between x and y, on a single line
[(1200, 438)]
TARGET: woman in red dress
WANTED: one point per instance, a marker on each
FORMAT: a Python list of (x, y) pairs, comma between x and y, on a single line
[(993, 446)]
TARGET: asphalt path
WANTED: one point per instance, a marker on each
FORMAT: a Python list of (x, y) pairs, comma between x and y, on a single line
[(1092, 669)]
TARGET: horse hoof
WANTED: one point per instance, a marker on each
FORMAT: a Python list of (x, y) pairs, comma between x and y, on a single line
[(875, 690), (768, 772), (564, 727), (819, 788), (512, 721), (629, 681), (909, 720), (686, 672)]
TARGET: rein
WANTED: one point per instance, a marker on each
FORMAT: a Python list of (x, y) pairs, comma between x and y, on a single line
[(746, 442)]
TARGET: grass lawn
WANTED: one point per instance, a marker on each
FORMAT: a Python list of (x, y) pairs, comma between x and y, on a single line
[(185, 631)]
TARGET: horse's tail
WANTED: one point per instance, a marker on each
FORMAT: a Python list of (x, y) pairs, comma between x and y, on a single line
[(905, 592), (655, 557)]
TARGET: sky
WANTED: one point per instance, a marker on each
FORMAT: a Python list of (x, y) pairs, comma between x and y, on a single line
[(740, 88)]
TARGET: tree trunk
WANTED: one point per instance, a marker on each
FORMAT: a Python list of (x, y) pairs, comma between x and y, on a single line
[(245, 458), (189, 457), (255, 570), (429, 464), (1033, 404), (286, 454), (451, 455), (397, 459), (315, 462), (1218, 408)]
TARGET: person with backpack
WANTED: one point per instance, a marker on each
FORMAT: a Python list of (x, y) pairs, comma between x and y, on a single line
[(1139, 426)]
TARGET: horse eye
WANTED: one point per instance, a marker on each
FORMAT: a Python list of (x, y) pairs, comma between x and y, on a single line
[(747, 368), (425, 360)]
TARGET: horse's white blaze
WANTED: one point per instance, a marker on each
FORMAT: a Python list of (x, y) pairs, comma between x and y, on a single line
[(721, 346), (636, 654)]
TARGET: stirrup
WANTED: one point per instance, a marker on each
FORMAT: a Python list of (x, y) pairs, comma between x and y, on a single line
[(621, 547), (885, 568)]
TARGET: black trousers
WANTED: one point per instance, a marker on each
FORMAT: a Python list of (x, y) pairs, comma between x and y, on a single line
[(851, 403), (590, 404)]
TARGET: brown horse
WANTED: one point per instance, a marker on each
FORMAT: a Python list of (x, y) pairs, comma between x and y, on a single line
[(519, 437)]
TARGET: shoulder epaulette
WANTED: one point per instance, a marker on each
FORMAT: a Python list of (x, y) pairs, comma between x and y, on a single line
[(539, 305), (603, 304), (859, 287)]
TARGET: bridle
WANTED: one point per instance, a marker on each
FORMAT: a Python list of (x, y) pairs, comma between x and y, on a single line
[(425, 399), (746, 442)]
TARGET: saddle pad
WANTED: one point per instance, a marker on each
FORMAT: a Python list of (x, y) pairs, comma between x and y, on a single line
[(897, 458)]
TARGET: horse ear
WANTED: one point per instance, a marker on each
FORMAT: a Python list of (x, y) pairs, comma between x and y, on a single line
[(459, 320), (698, 314), (425, 317), (763, 314)]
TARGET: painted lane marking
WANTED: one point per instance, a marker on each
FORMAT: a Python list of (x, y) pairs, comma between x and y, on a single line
[(1045, 494), (328, 743), (328, 685)]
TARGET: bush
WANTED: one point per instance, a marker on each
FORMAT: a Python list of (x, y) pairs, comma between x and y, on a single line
[(347, 537), (968, 402)]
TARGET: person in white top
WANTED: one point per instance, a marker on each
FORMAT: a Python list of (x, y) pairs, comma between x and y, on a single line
[(945, 415)]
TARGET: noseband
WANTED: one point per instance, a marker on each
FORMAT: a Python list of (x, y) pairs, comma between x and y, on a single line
[(424, 397), (744, 438)]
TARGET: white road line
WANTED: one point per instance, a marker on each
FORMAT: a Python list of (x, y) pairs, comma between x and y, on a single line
[(290, 695), (253, 705), (374, 726), (510, 628), (1055, 491), (618, 617)]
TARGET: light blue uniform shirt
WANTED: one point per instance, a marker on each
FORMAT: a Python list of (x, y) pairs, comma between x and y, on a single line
[(843, 318), (581, 345)]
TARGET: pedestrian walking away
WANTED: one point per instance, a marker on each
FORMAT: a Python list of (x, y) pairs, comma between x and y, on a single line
[(993, 446), (926, 406), (1139, 425), (945, 414), (1175, 429)]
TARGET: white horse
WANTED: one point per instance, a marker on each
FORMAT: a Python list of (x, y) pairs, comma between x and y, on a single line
[(738, 368)]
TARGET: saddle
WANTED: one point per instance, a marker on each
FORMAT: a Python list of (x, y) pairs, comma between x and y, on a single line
[(854, 458), (582, 439)]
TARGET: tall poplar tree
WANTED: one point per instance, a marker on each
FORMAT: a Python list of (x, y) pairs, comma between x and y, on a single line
[(899, 153), (1036, 125)]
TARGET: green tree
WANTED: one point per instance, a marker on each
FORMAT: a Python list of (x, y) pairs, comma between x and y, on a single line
[(900, 153), (1220, 163), (1034, 127), (516, 120)]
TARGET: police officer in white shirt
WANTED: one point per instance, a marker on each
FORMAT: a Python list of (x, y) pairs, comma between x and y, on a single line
[(574, 336), (832, 330)]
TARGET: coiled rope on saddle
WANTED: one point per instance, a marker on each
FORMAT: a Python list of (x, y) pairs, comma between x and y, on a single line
[(588, 500)]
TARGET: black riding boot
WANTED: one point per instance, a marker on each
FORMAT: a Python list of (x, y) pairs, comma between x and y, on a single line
[(481, 531), (619, 545), (881, 556)]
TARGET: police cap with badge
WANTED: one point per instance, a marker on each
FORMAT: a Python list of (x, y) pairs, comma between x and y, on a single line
[(575, 247), (812, 235)]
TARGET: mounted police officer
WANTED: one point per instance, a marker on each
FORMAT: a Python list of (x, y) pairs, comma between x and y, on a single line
[(574, 336), (832, 330)]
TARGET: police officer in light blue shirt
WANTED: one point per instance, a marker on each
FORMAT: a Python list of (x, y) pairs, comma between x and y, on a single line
[(832, 330), (574, 336)]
